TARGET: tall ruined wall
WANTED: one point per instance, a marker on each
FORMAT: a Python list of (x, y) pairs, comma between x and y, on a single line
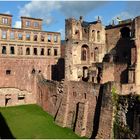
[(121, 73), (71, 103), (83, 107), (106, 113)]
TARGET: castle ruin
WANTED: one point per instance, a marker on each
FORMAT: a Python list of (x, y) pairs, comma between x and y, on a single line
[(97, 60)]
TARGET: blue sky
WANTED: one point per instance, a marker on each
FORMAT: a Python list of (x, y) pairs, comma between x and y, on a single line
[(54, 13)]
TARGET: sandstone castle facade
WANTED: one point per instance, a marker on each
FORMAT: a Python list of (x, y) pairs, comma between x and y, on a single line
[(78, 94)]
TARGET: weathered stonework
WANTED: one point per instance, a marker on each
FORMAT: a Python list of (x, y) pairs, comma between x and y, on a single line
[(94, 60)]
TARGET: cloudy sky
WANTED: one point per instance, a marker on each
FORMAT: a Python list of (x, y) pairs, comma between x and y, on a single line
[(54, 13)]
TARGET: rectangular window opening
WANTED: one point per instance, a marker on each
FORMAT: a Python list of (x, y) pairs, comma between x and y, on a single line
[(3, 49), (4, 34), (8, 72), (55, 38), (28, 23), (55, 52), (12, 35), (27, 37), (12, 50), (49, 38), (20, 36)]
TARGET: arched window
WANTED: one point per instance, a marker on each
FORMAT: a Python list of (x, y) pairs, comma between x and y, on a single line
[(3, 49), (85, 74), (96, 54), (42, 38), (35, 51), (35, 37), (93, 35), (84, 53), (42, 51), (27, 51), (98, 36), (125, 32)]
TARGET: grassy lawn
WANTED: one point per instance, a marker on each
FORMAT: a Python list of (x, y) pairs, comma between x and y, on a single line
[(30, 121)]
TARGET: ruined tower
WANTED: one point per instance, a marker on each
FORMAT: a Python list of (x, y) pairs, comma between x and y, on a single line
[(85, 45)]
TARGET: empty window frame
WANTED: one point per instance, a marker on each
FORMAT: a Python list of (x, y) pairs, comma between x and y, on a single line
[(4, 34), (8, 72), (36, 24), (83, 54), (49, 38), (20, 50), (42, 51), (12, 35), (27, 51), (12, 50), (35, 37), (28, 23), (19, 36), (98, 36), (4, 20), (28, 37), (55, 52), (49, 52), (3, 49), (42, 38), (35, 51), (93, 35), (55, 38)]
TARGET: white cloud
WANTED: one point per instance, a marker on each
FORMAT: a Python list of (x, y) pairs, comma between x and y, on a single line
[(45, 9), (40, 9), (62, 31), (7, 12), (17, 24), (49, 20), (124, 15)]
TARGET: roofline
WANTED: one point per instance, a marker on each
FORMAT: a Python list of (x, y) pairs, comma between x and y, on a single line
[(6, 15), (31, 18)]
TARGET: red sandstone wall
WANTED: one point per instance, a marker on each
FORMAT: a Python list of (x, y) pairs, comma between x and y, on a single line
[(108, 72), (21, 76), (121, 73), (68, 101)]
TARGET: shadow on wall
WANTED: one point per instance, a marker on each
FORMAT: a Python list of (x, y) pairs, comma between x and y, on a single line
[(58, 70), (97, 113), (5, 132), (121, 54)]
